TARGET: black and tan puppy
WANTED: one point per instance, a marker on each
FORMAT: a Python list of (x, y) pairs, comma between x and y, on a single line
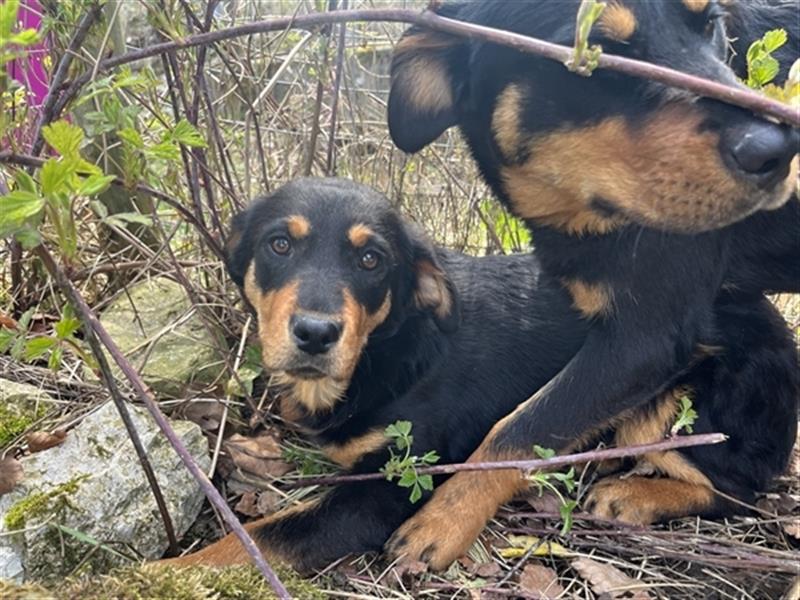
[(628, 187), (365, 323)]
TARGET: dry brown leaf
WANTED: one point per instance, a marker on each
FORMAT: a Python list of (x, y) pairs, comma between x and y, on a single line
[(546, 503), (268, 502), (10, 474), (487, 569), (540, 581), (792, 528), (260, 455), (42, 440), (606, 579), (410, 568), (247, 505), (208, 415)]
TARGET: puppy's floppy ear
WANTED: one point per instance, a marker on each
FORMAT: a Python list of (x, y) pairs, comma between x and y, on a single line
[(433, 290), (427, 77), (239, 248)]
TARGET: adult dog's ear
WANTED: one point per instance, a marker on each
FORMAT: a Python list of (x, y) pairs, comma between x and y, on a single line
[(426, 82), (239, 248), (433, 290)]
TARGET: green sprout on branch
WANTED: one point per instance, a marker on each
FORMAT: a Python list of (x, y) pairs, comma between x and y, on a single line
[(403, 464), (585, 58), (544, 480)]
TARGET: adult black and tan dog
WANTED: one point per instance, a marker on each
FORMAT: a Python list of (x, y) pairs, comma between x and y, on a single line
[(628, 187), (365, 323)]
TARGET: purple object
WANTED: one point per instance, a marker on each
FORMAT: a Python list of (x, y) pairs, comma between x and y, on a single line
[(29, 70)]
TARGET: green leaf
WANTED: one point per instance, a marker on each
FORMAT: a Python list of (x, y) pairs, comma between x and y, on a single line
[(29, 237), (186, 133), (404, 427), (408, 478), (37, 347), (430, 457), (66, 326), (774, 39), (25, 182), (121, 219), (133, 137), (416, 494), (426, 482), (95, 184), (55, 176), (64, 137), (26, 37), (165, 149), (54, 360), (16, 208), (86, 539), (543, 452), (8, 17), (7, 337)]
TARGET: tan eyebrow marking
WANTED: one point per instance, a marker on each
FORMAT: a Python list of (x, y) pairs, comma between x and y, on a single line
[(696, 6), (298, 226), (359, 234), (618, 22)]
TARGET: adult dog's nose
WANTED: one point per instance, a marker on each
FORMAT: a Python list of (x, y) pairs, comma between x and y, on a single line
[(761, 151)]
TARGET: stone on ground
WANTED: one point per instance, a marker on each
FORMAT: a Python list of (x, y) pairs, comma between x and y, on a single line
[(86, 503)]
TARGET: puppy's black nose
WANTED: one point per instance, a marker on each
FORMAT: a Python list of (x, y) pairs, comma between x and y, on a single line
[(313, 335), (761, 151)]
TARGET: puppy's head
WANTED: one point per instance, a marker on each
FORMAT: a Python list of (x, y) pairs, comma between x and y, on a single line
[(327, 265), (586, 154)]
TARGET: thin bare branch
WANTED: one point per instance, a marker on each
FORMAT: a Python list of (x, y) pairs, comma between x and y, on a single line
[(683, 441), (739, 96)]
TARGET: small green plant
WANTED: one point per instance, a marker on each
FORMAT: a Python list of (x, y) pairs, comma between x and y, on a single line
[(249, 370), (686, 417), (762, 68), (544, 481), (585, 58), (403, 465)]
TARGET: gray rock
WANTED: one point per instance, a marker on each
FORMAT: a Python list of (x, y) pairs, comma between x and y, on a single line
[(98, 494), (164, 337)]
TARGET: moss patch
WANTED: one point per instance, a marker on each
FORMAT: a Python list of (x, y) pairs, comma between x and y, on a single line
[(14, 420), (40, 503), (187, 583)]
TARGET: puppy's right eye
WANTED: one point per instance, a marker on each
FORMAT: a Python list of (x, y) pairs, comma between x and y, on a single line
[(280, 245)]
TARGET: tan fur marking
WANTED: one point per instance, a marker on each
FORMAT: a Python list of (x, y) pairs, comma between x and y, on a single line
[(274, 309), (642, 501), (315, 395), (424, 77), (359, 234), (591, 300), (652, 424), (506, 121), (358, 324), (229, 551), (350, 452), (298, 226), (447, 525), (432, 291), (696, 6), (664, 174), (617, 22)]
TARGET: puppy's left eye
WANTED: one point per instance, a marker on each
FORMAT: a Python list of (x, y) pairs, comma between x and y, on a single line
[(369, 260)]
